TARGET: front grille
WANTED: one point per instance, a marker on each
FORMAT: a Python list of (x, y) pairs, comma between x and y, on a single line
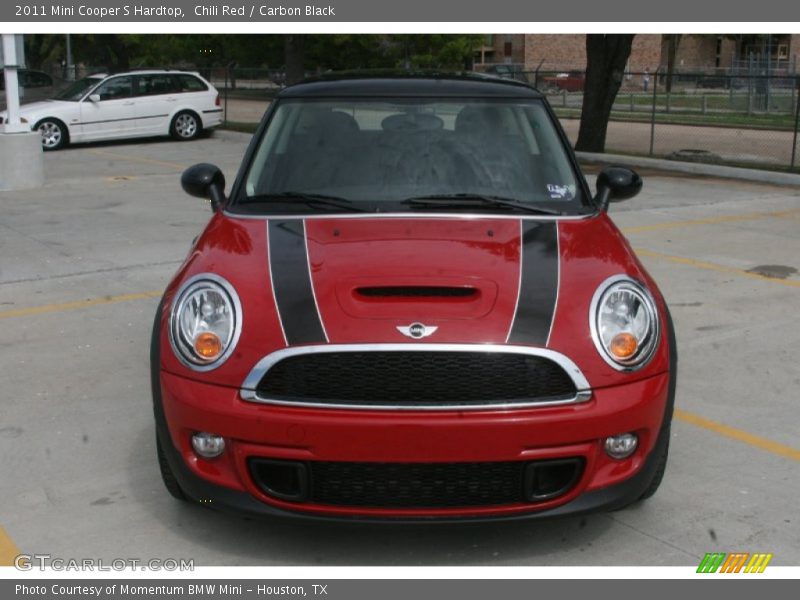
[(418, 378), (416, 485)]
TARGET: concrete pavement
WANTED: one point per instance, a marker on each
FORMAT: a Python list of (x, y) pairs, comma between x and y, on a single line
[(83, 260)]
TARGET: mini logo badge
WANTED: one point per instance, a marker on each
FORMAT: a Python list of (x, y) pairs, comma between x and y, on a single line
[(417, 330)]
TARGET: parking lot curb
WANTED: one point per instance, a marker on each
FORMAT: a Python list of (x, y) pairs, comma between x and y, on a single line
[(231, 136), (755, 175)]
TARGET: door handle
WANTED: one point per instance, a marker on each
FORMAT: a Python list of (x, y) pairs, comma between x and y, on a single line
[(128, 103)]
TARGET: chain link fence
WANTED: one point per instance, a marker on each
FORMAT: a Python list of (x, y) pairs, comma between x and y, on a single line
[(246, 91), (746, 116), (739, 118)]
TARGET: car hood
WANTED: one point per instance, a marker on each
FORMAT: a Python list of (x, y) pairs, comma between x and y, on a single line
[(41, 108), (465, 280)]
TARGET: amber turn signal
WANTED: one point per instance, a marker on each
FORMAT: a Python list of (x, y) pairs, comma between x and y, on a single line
[(208, 345), (623, 345)]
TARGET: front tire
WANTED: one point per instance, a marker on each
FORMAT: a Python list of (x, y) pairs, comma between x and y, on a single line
[(167, 476), (185, 126), (54, 134), (659, 474)]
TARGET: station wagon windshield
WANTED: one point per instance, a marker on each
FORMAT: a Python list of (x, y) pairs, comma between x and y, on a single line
[(77, 90), (411, 154)]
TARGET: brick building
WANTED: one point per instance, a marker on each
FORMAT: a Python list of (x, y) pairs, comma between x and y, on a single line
[(735, 51), (694, 52), (560, 51)]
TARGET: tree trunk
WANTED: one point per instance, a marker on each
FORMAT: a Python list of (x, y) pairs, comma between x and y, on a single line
[(294, 49), (606, 56), (672, 49), (232, 75)]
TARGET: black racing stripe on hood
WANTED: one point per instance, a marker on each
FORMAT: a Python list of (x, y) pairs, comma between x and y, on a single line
[(538, 284), (291, 281)]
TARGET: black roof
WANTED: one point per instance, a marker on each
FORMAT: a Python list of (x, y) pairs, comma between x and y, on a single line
[(409, 83)]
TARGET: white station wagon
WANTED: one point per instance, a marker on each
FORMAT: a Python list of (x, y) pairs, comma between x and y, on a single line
[(125, 105)]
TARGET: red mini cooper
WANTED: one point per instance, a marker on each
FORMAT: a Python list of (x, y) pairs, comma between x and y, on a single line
[(411, 306)]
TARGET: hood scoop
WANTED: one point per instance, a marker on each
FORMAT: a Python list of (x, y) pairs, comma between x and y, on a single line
[(416, 297), (395, 292)]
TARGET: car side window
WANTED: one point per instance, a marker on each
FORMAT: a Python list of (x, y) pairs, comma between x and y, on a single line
[(189, 83), (116, 88), (154, 85)]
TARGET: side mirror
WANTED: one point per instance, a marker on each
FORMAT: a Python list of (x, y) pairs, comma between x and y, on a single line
[(94, 97), (615, 184), (205, 181)]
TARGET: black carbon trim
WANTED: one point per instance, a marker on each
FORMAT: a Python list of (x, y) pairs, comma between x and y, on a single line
[(538, 284), (292, 283), (216, 110)]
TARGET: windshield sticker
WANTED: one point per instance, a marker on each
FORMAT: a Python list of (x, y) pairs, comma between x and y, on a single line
[(559, 192)]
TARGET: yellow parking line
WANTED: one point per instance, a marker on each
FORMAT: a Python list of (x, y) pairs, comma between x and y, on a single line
[(64, 306), (738, 434), (714, 267), (139, 159), (712, 220), (8, 550)]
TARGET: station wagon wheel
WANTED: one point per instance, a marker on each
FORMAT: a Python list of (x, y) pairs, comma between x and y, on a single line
[(54, 134), (185, 126)]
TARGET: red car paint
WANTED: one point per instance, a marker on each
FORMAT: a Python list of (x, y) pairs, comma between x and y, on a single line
[(519, 275), (570, 82), (347, 253)]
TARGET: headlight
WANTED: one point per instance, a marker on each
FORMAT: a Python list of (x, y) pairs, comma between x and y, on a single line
[(624, 323), (205, 322)]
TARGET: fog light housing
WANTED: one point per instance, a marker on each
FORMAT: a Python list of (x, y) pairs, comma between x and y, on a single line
[(621, 445), (208, 445)]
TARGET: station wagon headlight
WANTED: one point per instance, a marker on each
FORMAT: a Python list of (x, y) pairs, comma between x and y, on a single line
[(624, 323), (205, 322)]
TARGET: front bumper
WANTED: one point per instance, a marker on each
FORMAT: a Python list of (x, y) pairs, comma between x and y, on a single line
[(185, 406)]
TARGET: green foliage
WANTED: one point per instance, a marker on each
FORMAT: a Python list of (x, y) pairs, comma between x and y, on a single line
[(451, 52), (346, 51), (41, 49), (322, 51)]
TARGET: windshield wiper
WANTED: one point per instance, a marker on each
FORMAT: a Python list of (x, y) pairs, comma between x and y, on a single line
[(461, 199), (307, 198)]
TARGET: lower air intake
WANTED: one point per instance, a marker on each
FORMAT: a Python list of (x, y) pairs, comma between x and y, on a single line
[(416, 485)]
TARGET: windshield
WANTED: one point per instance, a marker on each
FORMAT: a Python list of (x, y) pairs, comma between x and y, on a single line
[(411, 154), (77, 90)]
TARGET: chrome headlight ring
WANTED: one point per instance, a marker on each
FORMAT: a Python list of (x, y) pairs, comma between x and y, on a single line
[(621, 306), (204, 304)]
